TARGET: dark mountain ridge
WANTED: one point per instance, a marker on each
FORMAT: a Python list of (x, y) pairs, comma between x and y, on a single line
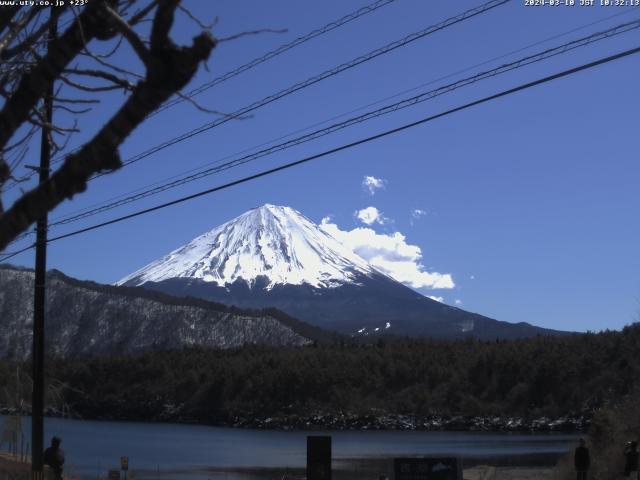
[(87, 318), (370, 306), (274, 256)]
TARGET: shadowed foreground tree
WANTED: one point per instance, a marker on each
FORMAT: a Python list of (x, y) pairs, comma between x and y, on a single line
[(31, 62), (613, 426)]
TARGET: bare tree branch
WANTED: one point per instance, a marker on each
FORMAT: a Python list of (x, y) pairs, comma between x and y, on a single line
[(130, 35), (205, 26), (122, 82), (99, 59), (35, 83), (170, 68), (17, 27), (77, 100), (139, 16), (111, 52), (208, 110), (71, 110), (6, 16), (88, 88), (52, 127), (18, 159), (26, 44), (252, 32)]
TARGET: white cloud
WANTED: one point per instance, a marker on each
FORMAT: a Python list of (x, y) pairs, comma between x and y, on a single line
[(458, 301), (416, 214), (437, 299), (391, 254), (370, 215), (472, 277), (371, 184)]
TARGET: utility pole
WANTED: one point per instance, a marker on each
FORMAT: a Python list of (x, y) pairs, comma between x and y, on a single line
[(37, 401)]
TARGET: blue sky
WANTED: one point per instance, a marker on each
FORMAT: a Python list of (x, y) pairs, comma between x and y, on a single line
[(529, 202)]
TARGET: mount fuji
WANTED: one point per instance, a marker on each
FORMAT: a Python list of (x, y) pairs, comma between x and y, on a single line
[(273, 256)]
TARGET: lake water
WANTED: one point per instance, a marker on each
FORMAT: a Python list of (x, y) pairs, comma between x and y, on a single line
[(192, 452)]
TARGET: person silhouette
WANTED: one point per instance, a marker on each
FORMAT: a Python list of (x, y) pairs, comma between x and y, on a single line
[(631, 459), (54, 457), (581, 460)]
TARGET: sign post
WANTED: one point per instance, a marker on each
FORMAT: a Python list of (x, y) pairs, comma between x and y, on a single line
[(124, 465), (318, 457)]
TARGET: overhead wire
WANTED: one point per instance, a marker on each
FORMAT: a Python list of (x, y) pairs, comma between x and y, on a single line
[(408, 39), (405, 103), (279, 147), (336, 117), (467, 14), (278, 51), (8, 255), (372, 7), (503, 93)]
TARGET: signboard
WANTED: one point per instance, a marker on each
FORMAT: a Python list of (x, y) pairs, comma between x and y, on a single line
[(124, 463), (319, 457), (114, 475), (427, 469)]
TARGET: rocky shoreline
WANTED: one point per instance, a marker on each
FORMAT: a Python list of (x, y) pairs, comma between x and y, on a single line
[(349, 421), (569, 423)]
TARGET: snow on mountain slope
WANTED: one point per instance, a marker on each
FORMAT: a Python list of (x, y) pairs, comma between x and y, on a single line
[(274, 256), (275, 242)]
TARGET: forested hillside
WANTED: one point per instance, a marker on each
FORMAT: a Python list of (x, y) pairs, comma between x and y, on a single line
[(541, 376), (85, 318)]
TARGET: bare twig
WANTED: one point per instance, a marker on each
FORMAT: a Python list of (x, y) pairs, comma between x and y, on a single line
[(26, 44), (252, 32), (170, 69), (87, 88), (122, 82), (17, 27), (77, 100), (139, 16), (34, 84), (130, 35), (19, 142), (19, 157), (99, 58), (205, 26), (71, 110), (53, 127), (111, 52), (60, 147), (115, 68), (6, 16), (208, 110)]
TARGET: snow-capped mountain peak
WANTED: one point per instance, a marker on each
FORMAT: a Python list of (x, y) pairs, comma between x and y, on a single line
[(271, 241)]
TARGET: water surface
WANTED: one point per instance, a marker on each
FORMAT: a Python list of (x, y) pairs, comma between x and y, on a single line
[(193, 452)]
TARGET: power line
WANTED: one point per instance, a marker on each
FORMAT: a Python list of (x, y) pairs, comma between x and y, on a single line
[(259, 60), (485, 62), (371, 138), (281, 137), (405, 103), (7, 256), (278, 51), (624, 12), (315, 79)]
